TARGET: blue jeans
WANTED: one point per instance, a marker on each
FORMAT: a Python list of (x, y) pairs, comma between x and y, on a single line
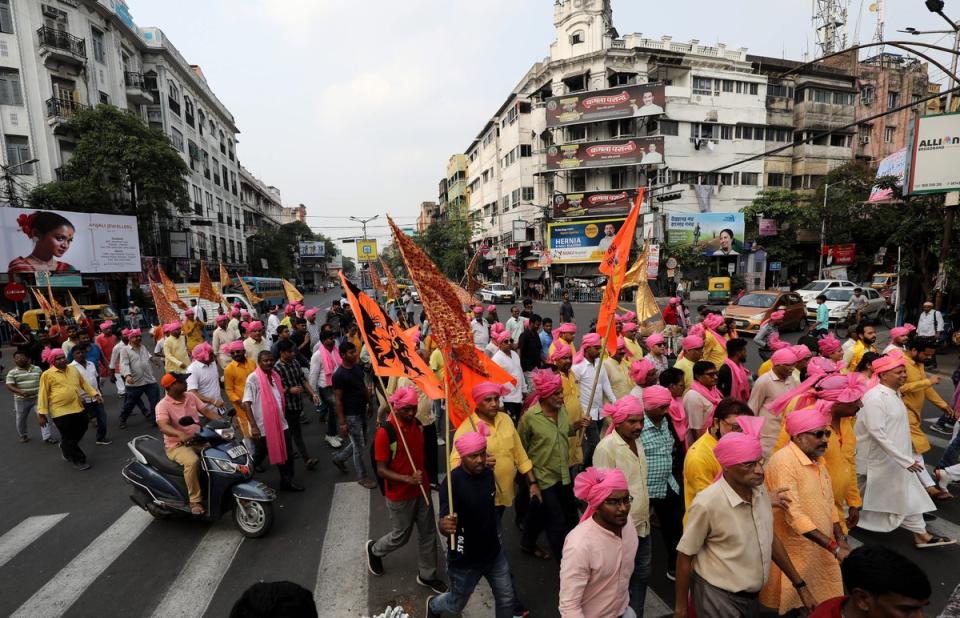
[(463, 581), (132, 397), (96, 411), (641, 573), (356, 429), (951, 455)]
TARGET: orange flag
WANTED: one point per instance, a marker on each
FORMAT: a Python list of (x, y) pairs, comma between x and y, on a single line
[(165, 313), (43, 303), (614, 266), (9, 319), (461, 379), (393, 290), (74, 305), (170, 290), (293, 294), (54, 305), (390, 348), (375, 281), (253, 298), (224, 278), (469, 281), (207, 291)]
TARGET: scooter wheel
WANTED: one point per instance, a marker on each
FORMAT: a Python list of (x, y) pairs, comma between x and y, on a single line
[(254, 519)]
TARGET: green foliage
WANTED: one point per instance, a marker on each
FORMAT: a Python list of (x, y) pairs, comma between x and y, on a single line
[(279, 247), (448, 244), (349, 266), (792, 213)]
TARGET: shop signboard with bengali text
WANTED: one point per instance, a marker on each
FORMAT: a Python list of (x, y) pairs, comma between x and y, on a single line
[(313, 249), (581, 241), (635, 101), (593, 203), (611, 153)]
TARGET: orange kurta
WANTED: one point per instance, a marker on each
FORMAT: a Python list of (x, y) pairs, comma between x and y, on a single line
[(811, 508), (234, 379)]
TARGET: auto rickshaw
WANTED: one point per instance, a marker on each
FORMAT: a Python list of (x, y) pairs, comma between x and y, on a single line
[(719, 289)]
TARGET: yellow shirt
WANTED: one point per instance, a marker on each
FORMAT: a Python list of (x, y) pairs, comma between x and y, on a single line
[(571, 402), (634, 348), (686, 366), (175, 358), (713, 351), (193, 330), (915, 390), (504, 444), (59, 392), (436, 363), (765, 366), (700, 468), (234, 379), (858, 351), (619, 381)]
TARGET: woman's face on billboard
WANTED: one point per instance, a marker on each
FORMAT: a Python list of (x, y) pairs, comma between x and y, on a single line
[(56, 242)]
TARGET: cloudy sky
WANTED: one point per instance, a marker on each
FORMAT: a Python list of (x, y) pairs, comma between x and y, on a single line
[(355, 107)]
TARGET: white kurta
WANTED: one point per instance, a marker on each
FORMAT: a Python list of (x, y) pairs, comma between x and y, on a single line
[(511, 364), (884, 452)]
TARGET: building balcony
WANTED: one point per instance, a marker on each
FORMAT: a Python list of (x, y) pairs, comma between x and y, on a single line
[(61, 46), (61, 110), (137, 91)]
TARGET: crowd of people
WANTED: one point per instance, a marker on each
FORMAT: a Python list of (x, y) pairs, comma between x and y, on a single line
[(752, 480)]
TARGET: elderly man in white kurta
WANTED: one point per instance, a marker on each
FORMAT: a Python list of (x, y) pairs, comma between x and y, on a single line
[(894, 496)]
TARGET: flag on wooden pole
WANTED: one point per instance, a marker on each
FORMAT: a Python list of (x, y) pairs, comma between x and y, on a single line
[(375, 280), (165, 312), (54, 305), (614, 266), (470, 282), (170, 290), (207, 291), (224, 278), (293, 294), (461, 379), (43, 303), (391, 351), (253, 298), (9, 319), (74, 305), (393, 290)]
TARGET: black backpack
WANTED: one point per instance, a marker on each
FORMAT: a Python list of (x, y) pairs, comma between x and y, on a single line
[(387, 426)]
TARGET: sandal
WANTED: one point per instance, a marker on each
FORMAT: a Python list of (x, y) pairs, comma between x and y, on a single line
[(196, 508), (935, 541), (536, 552), (312, 463), (940, 495), (939, 480)]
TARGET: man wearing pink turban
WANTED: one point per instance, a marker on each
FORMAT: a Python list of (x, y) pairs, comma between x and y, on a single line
[(221, 337), (508, 360), (562, 360), (643, 374), (768, 328), (658, 352), (204, 379), (566, 333), (692, 352), (893, 496), (702, 398), (898, 338), (617, 368), (722, 568), (733, 379), (58, 399), (399, 457), (255, 341), (175, 356), (630, 333), (830, 347), (768, 388), (808, 526), (588, 369), (621, 449), (715, 344), (598, 556)]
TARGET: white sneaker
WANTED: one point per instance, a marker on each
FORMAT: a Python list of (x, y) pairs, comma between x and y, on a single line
[(333, 441)]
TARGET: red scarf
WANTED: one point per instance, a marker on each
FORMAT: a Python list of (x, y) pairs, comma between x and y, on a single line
[(272, 416), (741, 381)]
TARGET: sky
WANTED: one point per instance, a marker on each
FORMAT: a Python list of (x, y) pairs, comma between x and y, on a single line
[(354, 108)]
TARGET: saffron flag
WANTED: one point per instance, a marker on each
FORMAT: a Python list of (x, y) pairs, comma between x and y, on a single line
[(207, 291), (469, 281), (43, 303), (466, 298), (461, 378), (224, 278), (391, 350), (393, 290), (54, 305), (293, 294), (170, 290), (165, 312), (9, 319), (74, 305), (375, 277), (448, 323), (253, 298), (614, 266)]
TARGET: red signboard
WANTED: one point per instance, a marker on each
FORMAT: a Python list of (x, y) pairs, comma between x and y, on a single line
[(636, 101), (634, 151), (15, 292), (594, 203), (840, 254)]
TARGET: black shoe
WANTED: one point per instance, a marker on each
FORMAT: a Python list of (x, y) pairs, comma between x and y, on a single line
[(81, 466), (433, 584), (942, 429), (374, 563), (123, 423), (428, 613), (292, 486)]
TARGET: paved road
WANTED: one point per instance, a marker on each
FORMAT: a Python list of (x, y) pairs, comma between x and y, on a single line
[(73, 544)]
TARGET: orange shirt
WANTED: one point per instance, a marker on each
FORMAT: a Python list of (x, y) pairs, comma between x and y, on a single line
[(234, 380)]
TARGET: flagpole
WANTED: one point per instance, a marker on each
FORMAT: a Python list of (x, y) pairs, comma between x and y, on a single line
[(446, 446), (596, 376)]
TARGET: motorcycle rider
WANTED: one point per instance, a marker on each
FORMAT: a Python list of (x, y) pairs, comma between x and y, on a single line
[(177, 404)]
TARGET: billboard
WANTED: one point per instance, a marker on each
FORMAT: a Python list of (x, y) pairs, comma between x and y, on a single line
[(366, 250), (633, 151), (581, 241), (313, 249), (934, 150), (892, 165), (716, 233), (67, 242), (593, 203), (611, 104)]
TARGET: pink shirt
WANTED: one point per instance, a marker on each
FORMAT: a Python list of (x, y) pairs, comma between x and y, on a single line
[(595, 571), (172, 411)]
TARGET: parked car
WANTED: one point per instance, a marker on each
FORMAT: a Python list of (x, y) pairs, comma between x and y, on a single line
[(752, 308), (809, 292), (497, 293), (837, 299)]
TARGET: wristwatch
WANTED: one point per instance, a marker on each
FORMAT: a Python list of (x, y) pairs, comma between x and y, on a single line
[(800, 584)]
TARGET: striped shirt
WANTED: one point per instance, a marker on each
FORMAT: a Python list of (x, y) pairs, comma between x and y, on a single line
[(27, 380), (658, 449), (291, 374)]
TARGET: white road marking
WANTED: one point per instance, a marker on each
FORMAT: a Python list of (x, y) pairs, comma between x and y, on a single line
[(25, 533), (63, 589), (343, 557), (190, 594)]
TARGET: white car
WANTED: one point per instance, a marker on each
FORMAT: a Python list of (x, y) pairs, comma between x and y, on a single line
[(837, 299), (809, 292), (497, 293)]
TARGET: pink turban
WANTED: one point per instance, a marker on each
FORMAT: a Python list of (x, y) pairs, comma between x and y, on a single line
[(621, 409), (202, 352), (310, 313), (899, 331), (478, 310), (807, 419), (403, 397), (125, 332), (818, 369), (491, 308), (496, 328), (288, 310), (220, 319), (134, 332), (629, 316), (234, 313), (50, 354), (801, 351), (887, 362), (106, 326), (590, 339), (488, 389), (628, 327), (472, 441), (741, 447), (786, 356), (674, 300), (567, 327), (169, 328), (712, 321), (258, 325), (775, 343), (621, 344), (822, 367), (244, 313), (234, 346), (545, 382), (842, 388), (656, 396), (777, 315), (502, 336), (828, 345), (639, 370), (692, 342), (560, 350), (655, 339), (594, 485), (910, 327), (237, 305), (188, 312)]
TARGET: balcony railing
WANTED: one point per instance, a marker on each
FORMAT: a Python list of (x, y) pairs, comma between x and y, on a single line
[(62, 108), (59, 39), (134, 80)]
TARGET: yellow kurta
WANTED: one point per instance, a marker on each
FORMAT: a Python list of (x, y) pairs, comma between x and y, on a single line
[(811, 508), (635, 349), (619, 382), (700, 469), (193, 331), (59, 392), (915, 391), (765, 366), (571, 402), (858, 351), (686, 366), (503, 442), (713, 350), (175, 357)]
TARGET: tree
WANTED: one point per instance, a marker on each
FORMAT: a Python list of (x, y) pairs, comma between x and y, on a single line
[(279, 247), (349, 266), (792, 214), (119, 166), (447, 243)]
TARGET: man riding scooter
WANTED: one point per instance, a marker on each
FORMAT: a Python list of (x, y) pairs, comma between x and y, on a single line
[(178, 404)]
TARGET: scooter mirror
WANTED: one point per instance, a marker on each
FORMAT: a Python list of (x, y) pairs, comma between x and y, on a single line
[(186, 421)]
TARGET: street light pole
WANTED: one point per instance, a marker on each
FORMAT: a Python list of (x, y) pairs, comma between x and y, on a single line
[(363, 223), (823, 227)]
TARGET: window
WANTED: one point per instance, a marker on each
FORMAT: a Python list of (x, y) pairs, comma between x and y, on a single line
[(526, 150), (214, 246), (754, 88), (18, 152), (888, 133), (779, 91), (194, 154), (104, 98), (668, 127), (202, 119), (515, 197), (618, 177), (173, 97), (749, 178), (226, 174), (197, 200), (622, 79), (622, 128), (702, 85), (867, 94), (893, 99), (527, 195), (511, 117), (576, 133), (578, 182), (206, 164), (10, 93), (841, 141), (742, 132), (726, 178), (576, 37), (216, 172), (223, 144), (176, 139), (728, 85), (576, 83), (6, 18), (209, 202), (775, 180), (843, 98), (99, 53), (188, 110), (230, 149), (726, 131), (703, 130)]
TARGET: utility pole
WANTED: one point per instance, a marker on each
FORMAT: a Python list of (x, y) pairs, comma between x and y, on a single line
[(823, 228), (363, 223), (12, 198)]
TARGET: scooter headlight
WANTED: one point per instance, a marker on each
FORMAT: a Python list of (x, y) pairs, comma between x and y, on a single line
[(225, 466), (226, 433)]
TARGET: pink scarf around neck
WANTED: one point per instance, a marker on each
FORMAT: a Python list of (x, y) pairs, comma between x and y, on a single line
[(712, 395), (272, 416), (678, 417), (331, 360), (740, 388)]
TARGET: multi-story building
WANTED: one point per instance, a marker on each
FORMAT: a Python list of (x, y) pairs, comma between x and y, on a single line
[(427, 215), (292, 214)]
